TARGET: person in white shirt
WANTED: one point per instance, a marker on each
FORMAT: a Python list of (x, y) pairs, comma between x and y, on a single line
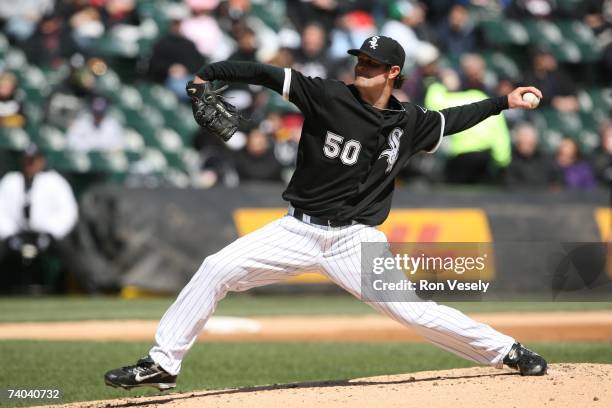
[(38, 210), (95, 130)]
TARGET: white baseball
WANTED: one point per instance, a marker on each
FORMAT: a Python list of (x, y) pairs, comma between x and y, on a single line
[(531, 99)]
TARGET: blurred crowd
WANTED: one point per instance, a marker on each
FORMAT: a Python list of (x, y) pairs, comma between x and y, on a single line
[(445, 66), (75, 46)]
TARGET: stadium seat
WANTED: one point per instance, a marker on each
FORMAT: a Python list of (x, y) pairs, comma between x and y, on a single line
[(504, 32), (68, 161), (50, 138), (114, 163), (110, 46), (15, 59), (270, 12), (185, 160), (134, 142), (168, 140), (33, 82), (151, 162), (4, 44), (109, 83), (582, 36), (503, 65), (13, 138)]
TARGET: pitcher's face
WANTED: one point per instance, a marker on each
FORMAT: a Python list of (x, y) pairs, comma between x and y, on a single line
[(370, 73)]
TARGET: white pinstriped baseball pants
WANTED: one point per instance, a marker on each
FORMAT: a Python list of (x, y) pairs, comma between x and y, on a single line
[(285, 248)]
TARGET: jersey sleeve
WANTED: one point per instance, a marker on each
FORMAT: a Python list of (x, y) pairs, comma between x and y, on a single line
[(307, 93), (428, 130)]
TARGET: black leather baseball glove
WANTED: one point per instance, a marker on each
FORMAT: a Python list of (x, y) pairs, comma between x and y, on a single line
[(211, 111)]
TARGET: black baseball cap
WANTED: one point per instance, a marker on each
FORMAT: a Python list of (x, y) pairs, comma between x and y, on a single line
[(382, 49)]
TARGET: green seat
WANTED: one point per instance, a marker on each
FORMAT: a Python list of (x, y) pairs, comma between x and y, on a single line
[(550, 140), (4, 44), (68, 161), (108, 84), (181, 120), (583, 38), (134, 142), (176, 178), (50, 138), (156, 11), (110, 46), (568, 123), (56, 75), (601, 97), (109, 162), (504, 32), (185, 160), (151, 162), (15, 60), (271, 12), (177, 116), (168, 140), (33, 82), (568, 6), (13, 138), (502, 64)]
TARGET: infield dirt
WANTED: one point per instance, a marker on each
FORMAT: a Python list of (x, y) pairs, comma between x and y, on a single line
[(565, 385), (593, 326)]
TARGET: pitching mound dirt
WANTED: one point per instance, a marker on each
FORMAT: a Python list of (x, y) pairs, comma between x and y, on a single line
[(566, 385)]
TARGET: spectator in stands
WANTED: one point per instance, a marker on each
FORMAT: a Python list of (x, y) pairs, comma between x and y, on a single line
[(406, 36), (247, 44), (72, 95), (312, 59), (479, 154), (513, 116), (414, 15), (87, 26), (557, 86), (302, 12), (95, 129), (22, 16), (530, 167), (473, 74), (426, 71), (216, 159), (11, 107), (37, 212), (256, 162), (351, 30), (577, 173), (602, 156), (120, 12), (204, 31), (175, 58), (51, 44), (456, 34), (596, 15)]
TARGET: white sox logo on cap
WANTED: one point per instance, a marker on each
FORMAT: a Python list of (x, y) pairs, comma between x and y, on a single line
[(374, 42), (382, 49)]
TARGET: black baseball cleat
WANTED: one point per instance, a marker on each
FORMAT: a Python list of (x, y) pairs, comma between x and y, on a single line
[(525, 361), (145, 373)]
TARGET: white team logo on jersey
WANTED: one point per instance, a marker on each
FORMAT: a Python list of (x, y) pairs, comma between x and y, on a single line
[(374, 42), (392, 153)]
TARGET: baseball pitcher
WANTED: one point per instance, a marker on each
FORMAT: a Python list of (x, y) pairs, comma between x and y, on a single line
[(355, 139)]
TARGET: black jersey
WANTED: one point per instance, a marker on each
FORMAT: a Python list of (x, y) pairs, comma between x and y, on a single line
[(350, 152)]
